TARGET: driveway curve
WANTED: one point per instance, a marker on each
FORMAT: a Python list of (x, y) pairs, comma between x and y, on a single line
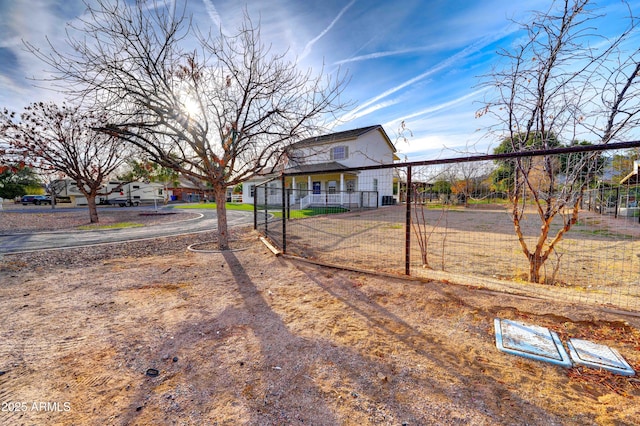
[(208, 221)]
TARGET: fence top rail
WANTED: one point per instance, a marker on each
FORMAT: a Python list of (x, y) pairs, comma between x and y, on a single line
[(487, 157)]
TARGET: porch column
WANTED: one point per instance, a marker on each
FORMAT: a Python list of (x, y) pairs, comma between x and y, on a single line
[(342, 189), (293, 189)]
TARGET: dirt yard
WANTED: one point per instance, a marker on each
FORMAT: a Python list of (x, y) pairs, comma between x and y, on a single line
[(149, 333), (597, 261)]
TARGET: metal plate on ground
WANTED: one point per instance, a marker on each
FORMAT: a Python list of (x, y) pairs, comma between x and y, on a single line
[(593, 355), (530, 341)]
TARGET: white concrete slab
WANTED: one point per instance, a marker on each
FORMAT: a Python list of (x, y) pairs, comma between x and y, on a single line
[(530, 341), (594, 355)]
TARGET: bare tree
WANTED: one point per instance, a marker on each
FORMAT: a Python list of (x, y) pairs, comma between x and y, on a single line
[(217, 108), (466, 179), (559, 84), (424, 225), (64, 140)]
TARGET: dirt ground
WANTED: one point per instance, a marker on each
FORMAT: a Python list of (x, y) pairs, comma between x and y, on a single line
[(154, 334), (599, 260)]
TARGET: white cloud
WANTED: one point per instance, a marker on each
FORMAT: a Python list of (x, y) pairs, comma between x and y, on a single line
[(32, 22)]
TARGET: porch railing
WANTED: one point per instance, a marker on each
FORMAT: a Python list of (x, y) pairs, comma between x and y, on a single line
[(323, 199)]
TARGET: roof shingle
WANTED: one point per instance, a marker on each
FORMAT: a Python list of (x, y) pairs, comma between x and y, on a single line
[(338, 136)]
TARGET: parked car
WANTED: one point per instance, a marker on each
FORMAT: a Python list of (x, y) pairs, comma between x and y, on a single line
[(35, 199)]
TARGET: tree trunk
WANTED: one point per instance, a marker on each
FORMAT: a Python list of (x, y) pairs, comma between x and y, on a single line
[(535, 263), (220, 192), (419, 225), (425, 260), (539, 256), (93, 210)]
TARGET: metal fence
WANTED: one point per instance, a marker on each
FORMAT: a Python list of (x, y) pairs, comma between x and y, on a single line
[(477, 221)]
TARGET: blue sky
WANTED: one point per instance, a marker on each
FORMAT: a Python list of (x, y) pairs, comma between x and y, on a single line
[(411, 60)]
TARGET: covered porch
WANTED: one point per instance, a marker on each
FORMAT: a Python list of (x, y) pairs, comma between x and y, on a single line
[(332, 189)]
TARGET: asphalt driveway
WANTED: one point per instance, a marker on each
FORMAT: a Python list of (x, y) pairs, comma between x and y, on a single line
[(15, 243)]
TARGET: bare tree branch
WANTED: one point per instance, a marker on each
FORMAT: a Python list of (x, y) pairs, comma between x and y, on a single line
[(559, 85), (63, 140), (216, 108)]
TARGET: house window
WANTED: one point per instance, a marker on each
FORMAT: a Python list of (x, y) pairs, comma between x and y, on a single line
[(273, 189), (340, 152), (351, 185), (375, 184), (252, 190), (332, 187)]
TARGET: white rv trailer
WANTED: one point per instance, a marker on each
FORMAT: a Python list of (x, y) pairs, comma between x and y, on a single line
[(114, 192), (132, 193)]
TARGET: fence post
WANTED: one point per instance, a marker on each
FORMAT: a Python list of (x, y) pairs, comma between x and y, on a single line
[(255, 207), (266, 205), (407, 227), (602, 202), (284, 216)]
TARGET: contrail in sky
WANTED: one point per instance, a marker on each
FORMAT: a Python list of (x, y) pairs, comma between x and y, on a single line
[(307, 48), (213, 13), (150, 5), (444, 105), (366, 107), (377, 55)]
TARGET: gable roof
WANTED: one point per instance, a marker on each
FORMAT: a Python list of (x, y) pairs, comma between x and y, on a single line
[(343, 136)]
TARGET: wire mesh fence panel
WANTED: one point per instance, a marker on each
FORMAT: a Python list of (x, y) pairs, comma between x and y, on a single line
[(362, 239), (595, 262), (523, 222), (336, 219), (268, 212), (564, 226)]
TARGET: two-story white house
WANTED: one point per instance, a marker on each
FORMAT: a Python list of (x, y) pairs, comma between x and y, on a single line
[(318, 171)]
